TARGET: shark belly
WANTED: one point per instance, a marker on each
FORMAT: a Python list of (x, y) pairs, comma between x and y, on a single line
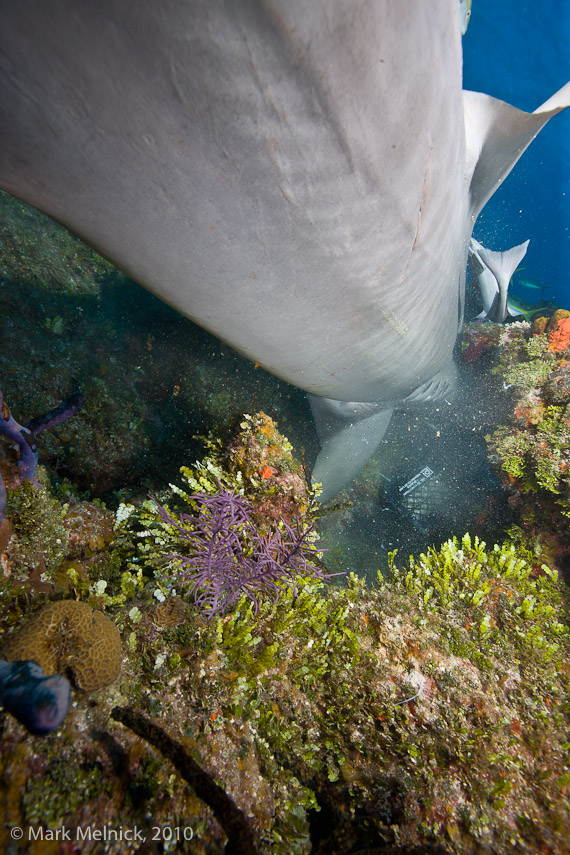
[(299, 179), (279, 188)]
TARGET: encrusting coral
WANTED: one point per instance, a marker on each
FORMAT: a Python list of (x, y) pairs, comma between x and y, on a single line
[(534, 449), (89, 528), (557, 329), (69, 634), (428, 713), (261, 459)]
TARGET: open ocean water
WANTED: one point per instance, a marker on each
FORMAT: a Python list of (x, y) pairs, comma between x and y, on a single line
[(518, 51)]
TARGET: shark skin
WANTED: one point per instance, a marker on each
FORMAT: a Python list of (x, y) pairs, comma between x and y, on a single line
[(493, 271), (300, 179)]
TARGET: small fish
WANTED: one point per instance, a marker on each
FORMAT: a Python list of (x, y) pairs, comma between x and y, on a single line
[(464, 14), (516, 309), (531, 284)]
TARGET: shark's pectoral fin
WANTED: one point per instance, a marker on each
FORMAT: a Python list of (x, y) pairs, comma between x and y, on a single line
[(497, 135), (349, 433)]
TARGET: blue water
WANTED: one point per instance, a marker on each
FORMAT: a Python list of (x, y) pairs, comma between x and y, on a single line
[(519, 51)]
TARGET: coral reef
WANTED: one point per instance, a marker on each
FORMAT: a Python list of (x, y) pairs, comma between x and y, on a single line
[(34, 247), (23, 437), (69, 634), (532, 452), (152, 381), (261, 460), (557, 329), (273, 533), (479, 339), (38, 539), (89, 527), (230, 558), (429, 712), (241, 840)]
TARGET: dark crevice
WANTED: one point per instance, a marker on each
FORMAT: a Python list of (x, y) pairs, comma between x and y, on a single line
[(240, 835)]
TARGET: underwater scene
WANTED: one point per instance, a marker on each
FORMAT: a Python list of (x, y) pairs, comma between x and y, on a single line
[(285, 428)]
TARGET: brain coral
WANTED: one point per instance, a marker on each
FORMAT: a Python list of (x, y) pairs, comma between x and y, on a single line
[(70, 635)]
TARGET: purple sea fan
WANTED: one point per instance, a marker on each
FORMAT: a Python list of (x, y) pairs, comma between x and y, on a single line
[(230, 558)]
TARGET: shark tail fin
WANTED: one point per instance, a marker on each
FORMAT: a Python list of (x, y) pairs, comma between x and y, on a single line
[(349, 433), (502, 265), (497, 135)]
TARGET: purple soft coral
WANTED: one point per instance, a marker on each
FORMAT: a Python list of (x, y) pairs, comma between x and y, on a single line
[(230, 558), (17, 432), (23, 436)]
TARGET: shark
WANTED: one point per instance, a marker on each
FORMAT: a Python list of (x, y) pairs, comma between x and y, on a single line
[(300, 179)]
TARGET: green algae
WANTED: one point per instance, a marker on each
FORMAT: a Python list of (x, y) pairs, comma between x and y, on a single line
[(59, 792), (318, 684), (507, 603), (312, 696), (429, 711), (40, 537), (524, 359)]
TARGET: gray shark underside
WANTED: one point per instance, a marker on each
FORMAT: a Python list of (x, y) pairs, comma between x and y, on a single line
[(298, 178)]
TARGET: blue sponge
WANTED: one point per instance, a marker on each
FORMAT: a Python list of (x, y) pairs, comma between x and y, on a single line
[(40, 703)]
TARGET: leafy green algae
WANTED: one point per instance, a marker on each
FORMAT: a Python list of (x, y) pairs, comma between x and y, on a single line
[(430, 711), (441, 695), (508, 601)]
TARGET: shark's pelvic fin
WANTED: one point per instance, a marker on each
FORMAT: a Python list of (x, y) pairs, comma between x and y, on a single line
[(493, 271), (349, 433), (437, 387), (497, 135)]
